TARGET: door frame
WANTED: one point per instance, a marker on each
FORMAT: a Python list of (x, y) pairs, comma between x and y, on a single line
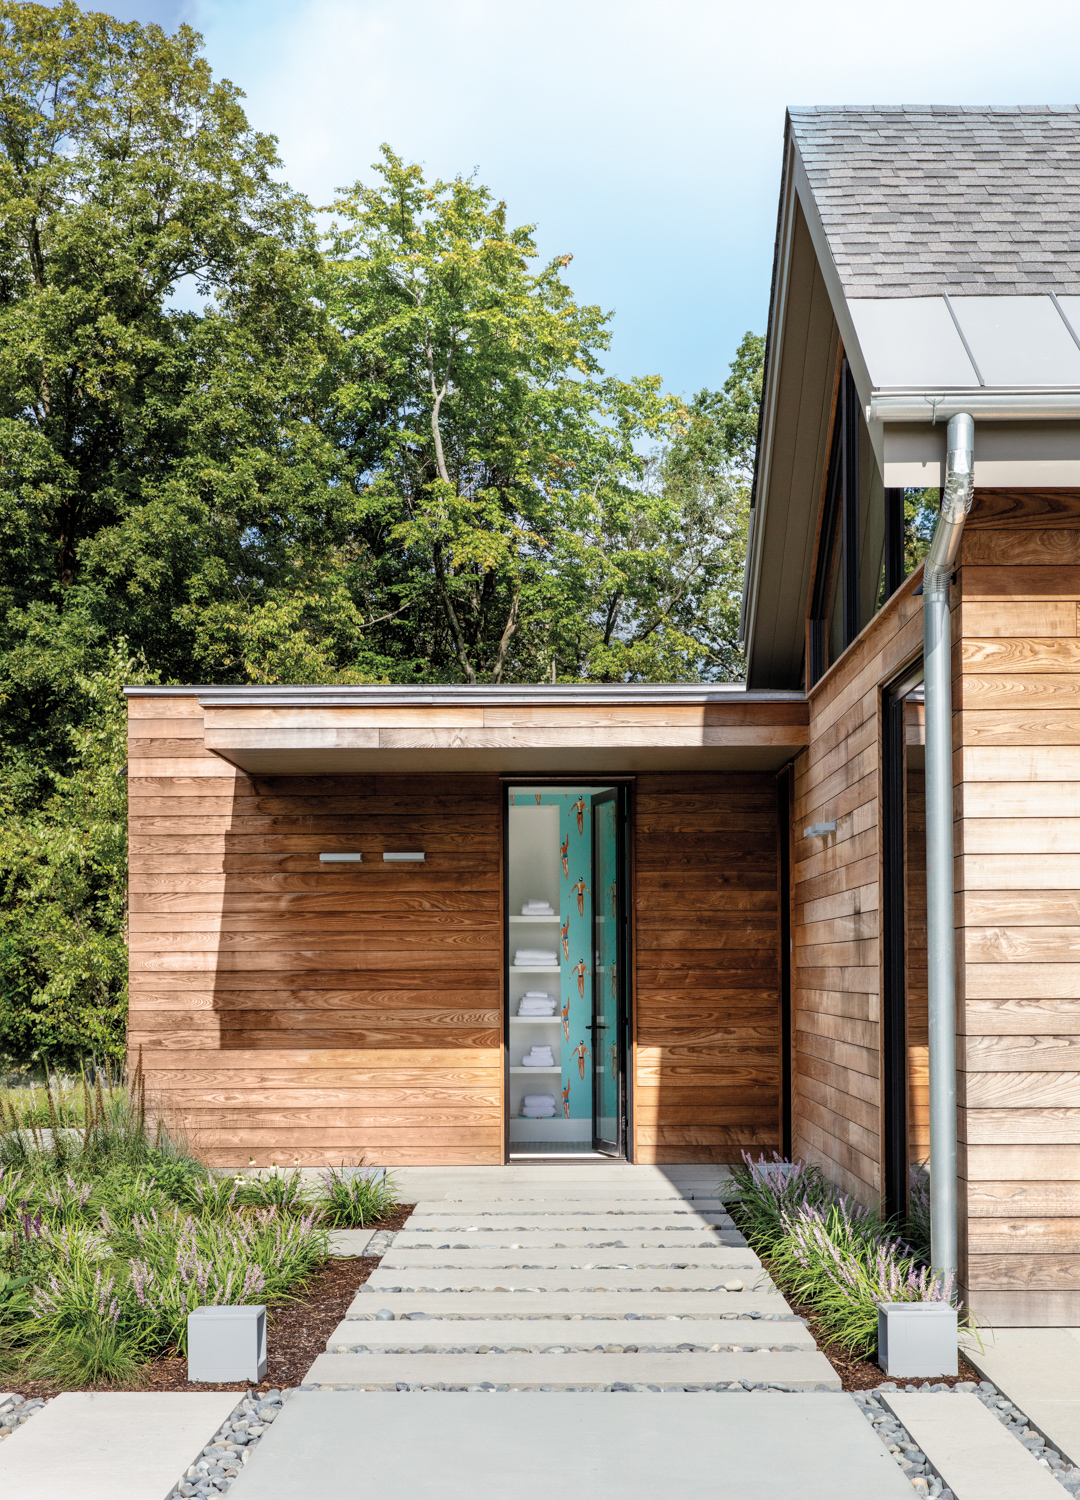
[(601, 783), (894, 870)]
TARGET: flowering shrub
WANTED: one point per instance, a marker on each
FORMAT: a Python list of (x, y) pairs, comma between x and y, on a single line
[(110, 1240), (830, 1252)]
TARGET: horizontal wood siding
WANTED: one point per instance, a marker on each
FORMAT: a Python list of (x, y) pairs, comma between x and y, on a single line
[(836, 958), (707, 1034), (288, 1010), (1017, 677)]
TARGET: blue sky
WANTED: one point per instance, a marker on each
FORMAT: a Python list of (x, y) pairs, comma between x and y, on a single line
[(642, 138)]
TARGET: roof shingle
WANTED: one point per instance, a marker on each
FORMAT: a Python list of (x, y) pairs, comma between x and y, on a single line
[(923, 199)]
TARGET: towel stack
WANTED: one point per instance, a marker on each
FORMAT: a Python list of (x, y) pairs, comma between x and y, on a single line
[(536, 958), (538, 1057), (538, 1106), (536, 1003), (538, 909)]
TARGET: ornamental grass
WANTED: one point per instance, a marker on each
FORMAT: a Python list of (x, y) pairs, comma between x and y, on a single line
[(829, 1252), (111, 1233)]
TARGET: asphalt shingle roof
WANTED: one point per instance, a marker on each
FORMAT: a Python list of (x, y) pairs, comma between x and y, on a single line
[(917, 201)]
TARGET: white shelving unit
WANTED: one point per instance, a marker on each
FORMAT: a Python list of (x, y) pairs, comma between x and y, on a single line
[(535, 874)]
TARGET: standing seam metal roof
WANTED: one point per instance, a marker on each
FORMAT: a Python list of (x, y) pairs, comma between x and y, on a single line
[(919, 201)]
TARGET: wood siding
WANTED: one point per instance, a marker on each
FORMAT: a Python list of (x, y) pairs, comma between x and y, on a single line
[(1016, 735), (291, 1010), (287, 1010), (707, 1006), (836, 957), (1017, 686)]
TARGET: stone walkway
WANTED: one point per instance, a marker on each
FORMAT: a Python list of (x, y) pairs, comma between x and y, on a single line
[(586, 1281)]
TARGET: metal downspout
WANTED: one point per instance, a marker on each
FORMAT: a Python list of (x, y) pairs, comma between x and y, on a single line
[(940, 919)]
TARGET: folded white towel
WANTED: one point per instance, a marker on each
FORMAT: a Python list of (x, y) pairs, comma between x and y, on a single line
[(537, 1012), (539, 1057), (539, 995), (537, 909), (534, 1112), (539, 1099), (536, 958)]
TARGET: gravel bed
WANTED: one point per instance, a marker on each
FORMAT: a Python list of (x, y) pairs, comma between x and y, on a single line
[(384, 1315), (763, 1386), (562, 1291), (230, 1448), (15, 1411), (914, 1463)]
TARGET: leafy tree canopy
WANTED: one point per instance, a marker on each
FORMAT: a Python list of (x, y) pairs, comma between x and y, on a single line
[(388, 454)]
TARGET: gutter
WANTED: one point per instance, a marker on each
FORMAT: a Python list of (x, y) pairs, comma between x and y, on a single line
[(940, 893), (987, 406)]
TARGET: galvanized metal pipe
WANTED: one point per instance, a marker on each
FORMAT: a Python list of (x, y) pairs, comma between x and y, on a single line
[(940, 919)]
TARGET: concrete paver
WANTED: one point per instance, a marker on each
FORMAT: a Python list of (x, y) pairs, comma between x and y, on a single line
[(569, 1238), (580, 1257), (556, 1446), (606, 1306), (480, 1278), (110, 1445), (802, 1369), (970, 1449), (1038, 1369), (681, 1210), (347, 1242), (508, 1333)]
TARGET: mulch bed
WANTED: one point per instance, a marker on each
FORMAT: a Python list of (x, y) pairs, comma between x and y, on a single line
[(296, 1332), (860, 1374)]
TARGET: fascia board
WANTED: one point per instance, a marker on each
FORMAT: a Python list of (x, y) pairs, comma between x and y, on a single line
[(841, 312), (770, 396)]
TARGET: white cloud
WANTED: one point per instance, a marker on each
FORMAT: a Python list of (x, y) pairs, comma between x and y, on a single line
[(644, 138)]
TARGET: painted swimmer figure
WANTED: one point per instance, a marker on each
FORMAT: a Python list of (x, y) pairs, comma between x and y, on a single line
[(581, 1052), (580, 969), (579, 889)]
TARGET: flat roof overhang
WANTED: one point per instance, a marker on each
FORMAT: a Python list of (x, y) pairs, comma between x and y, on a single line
[(537, 730)]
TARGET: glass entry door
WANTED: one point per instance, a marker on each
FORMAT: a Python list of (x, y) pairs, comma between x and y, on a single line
[(609, 1008)]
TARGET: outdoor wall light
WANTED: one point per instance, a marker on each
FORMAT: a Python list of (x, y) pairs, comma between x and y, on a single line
[(340, 859), (817, 830), (414, 858)]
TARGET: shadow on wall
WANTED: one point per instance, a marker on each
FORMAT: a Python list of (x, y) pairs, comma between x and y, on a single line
[(707, 1077), (359, 1004)]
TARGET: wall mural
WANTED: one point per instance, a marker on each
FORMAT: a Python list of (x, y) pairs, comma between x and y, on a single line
[(575, 945)]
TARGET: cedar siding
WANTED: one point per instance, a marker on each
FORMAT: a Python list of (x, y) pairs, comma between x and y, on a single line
[(1017, 692), (287, 1010)]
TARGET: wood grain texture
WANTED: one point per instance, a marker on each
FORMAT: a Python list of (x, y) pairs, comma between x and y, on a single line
[(286, 1009), (706, 1003), (1017, 735)]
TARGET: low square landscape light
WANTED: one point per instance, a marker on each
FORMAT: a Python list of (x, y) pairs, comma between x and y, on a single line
[(227, 1343)]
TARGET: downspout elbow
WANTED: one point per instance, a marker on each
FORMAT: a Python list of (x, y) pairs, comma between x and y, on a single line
[(955, 504)]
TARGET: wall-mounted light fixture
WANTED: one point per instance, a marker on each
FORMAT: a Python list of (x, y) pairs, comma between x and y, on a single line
[(340, 859), (414, 858), (818, 830)]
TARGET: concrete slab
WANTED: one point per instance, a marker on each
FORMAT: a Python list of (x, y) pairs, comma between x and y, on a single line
[(574, 1447), (509, 1334), (106, 1445), (566, 1176), (345, 1242), (586, 1203), (561, 1239), (803, 1369), (717, 1257), (603, 1306), (970, 1449), (673, 1222), (486, 1280), (1039, 1370)]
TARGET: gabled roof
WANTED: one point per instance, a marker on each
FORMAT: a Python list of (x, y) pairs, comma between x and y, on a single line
[(940, 247), (970, 201)]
